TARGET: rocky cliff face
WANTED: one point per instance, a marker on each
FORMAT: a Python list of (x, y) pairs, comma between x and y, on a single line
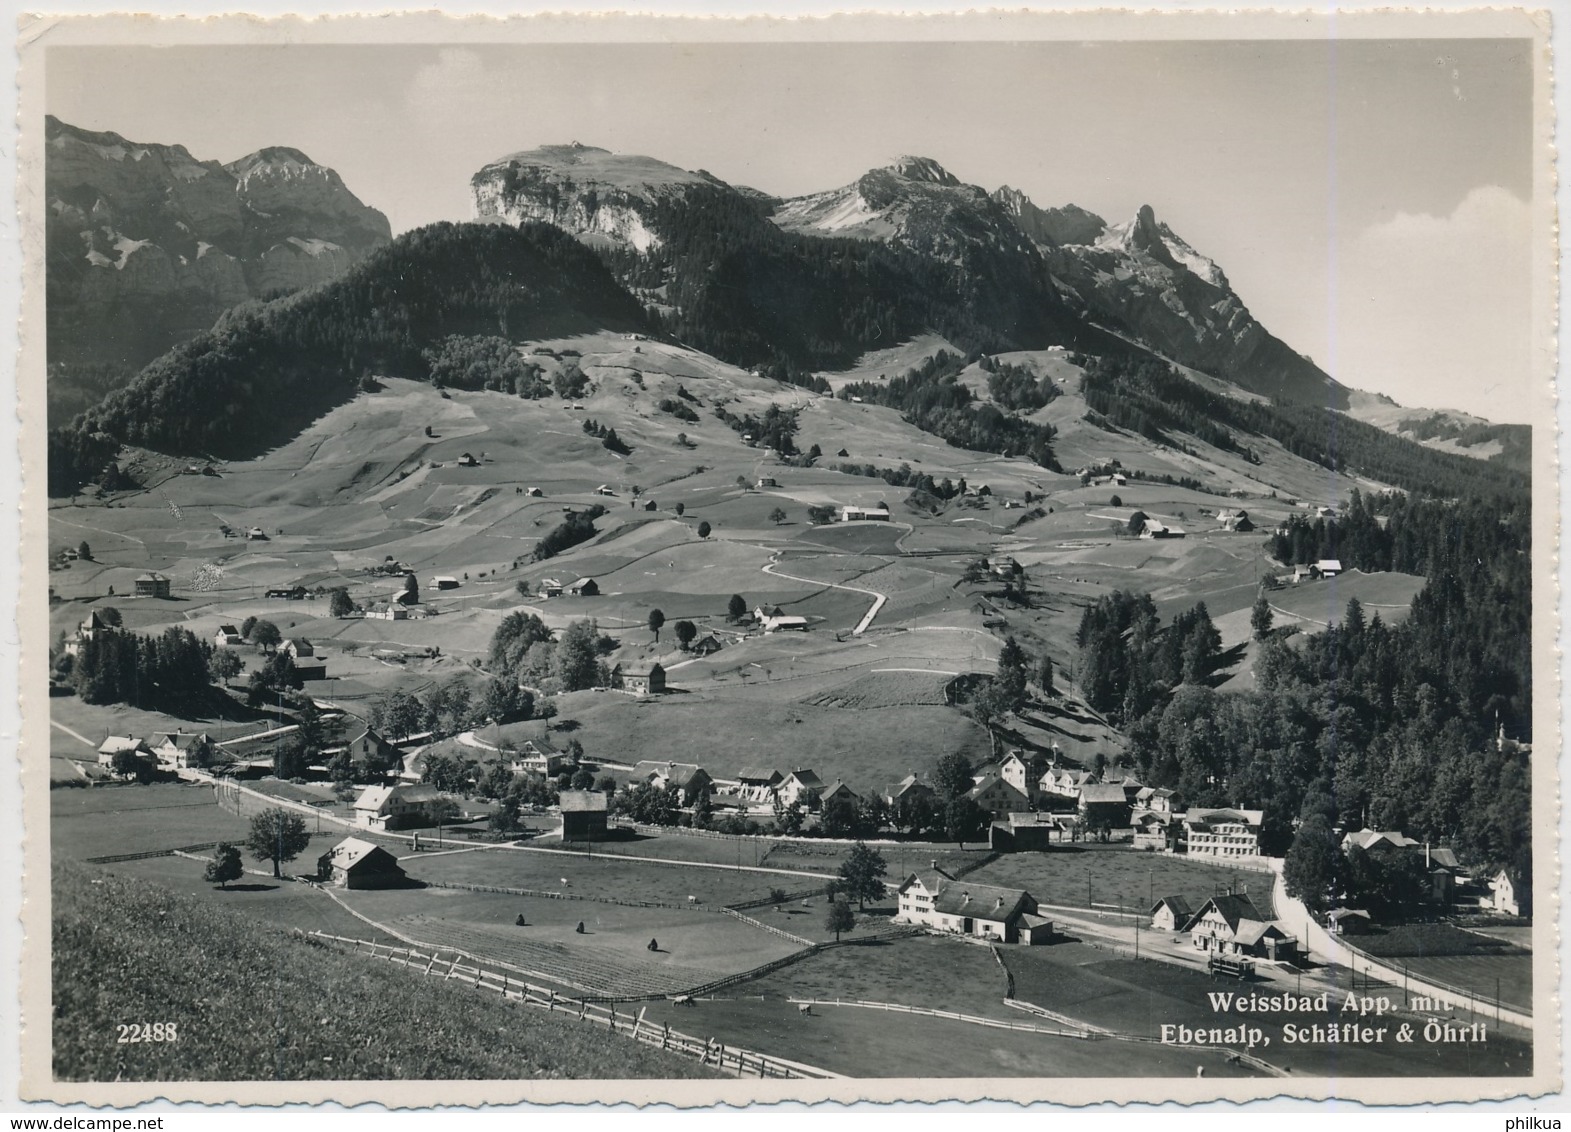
[(600, 196), (146, 244), (1034, 271)]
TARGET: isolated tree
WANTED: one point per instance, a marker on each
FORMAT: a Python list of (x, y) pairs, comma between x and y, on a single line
[(1260, 617), (839, 917), (83, 551), (1044, 675), (777, 516), (1312, 864), (741, 482), (606, 784), (680, 508), (838, 817), (277, 835), (964, 820), (862, 875), (736, 608), (685, 632), (265, 635), (224, 665), (338, 603), (583, 779), (442, 811), (341, 767), (704, 529), (1116, 501), (789, 818), (225, 865), (1137, 521), (656, 620), (126, 764), (245, 626), (952, 775)]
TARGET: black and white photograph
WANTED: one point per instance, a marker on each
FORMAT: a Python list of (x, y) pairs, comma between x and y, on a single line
[(898, 561)]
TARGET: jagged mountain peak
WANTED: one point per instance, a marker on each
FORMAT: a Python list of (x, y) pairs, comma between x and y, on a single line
[(1069, 224), (926, 169)]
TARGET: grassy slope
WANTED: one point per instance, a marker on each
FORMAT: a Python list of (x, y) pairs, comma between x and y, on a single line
[(253, 1003)]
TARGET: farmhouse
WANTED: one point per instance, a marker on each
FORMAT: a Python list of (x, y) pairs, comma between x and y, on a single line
[(1348, 921), (758, 783), (908, 787), (227, 637), (1502, 894), (297, 648), (1232, 925), (1153, 829), (1231, 520), (354, 863), (1023, 772), (801, 787), (1221, 833), (388, 611), (1022, 832), (115, 744), (533, 492), (584, 587), (651, 505), (767, 481), (640, 678), (1170, 914), (536, 756), (1104, 805), (1328, 567), (785, 623), (997, 797), (93, 626), (707, 646), (288, 593), (371, 749), (445, 582), (550, 587), (1157, 799), (849, 514), (1062, 785), (256, 533), (838, 791), (688, 780), (465, 460), (152, 585), (1004, 915), (396, 807), (1003, 566), (583, 815), (177, 750), (1152, 528)]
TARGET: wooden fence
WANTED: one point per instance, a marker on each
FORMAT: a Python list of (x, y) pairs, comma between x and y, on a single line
[(706, 1051), (932, 1012), (781, 932)]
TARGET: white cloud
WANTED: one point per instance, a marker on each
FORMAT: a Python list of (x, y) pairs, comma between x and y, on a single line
[(1435, 310)]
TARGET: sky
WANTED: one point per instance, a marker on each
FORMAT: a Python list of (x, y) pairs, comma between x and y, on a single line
[(1369, 200)]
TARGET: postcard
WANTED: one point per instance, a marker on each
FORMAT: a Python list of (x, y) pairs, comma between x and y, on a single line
[(719, 560)]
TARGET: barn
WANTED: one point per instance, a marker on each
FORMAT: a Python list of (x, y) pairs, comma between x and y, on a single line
[(583, 815), (354, 863)]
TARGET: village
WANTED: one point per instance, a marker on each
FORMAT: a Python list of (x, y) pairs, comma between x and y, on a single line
[(774, 681)]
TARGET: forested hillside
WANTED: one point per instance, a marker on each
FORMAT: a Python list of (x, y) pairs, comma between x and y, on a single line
[(734, 285), (1149, 397), (1380, 725), (267, 370)]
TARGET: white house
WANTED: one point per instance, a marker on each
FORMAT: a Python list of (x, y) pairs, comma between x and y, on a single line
[(179, 750), (1004, 915), (1502, 894), (1224, 832), (1232, 925), (801, 786), (849, 514), (227, 637), (396, 807)]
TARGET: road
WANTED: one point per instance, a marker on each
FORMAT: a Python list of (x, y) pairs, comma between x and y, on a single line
[(867, 619), (77, 735)]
